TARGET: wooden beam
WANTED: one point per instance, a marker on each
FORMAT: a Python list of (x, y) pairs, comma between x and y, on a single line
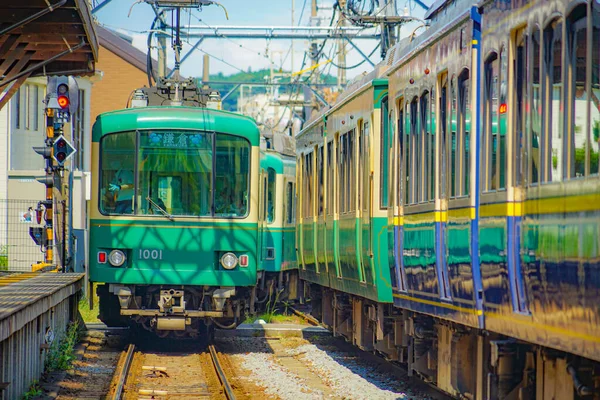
[(8, 44), (20, 65), (13, 89), (45, 38), (60, 15), (56, 29), (12, 57)]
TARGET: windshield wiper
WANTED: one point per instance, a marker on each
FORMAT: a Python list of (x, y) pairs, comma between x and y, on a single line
[(166, 214)]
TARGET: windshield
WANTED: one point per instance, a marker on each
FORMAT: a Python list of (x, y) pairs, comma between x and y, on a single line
[(181, 173)]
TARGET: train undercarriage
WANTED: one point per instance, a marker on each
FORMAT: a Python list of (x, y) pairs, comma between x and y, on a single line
[(189, 311), (464, 362)]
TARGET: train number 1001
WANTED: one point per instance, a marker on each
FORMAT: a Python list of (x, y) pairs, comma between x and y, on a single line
[(146, 254)]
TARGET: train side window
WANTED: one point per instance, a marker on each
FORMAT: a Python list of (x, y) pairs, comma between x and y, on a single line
[(453, 126), (385, 156), (594, 138), (400, 159), (413, 163), (579, 135), (502, 119), (342, 188), (464, 127), (443, 102), (422, 148), (553, 60), (366, 189), (537, 110), (329, 180), (490, 123), (289, 203), (431, 138), (308, 201), (351, 175), (271, 192), (406, 161), (320, 182)]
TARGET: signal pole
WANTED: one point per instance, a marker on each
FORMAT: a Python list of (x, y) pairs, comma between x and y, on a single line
[(57, 149), (341, 75)]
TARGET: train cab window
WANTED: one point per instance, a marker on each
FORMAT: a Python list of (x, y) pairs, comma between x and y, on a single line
[(232, 165), (464, 127), (271, 193), (490, 124), (117, 177), (385, 155), (553, 157)]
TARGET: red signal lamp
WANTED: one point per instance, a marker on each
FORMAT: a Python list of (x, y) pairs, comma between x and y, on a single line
[(63, 101), (502, 108), (102, 257)]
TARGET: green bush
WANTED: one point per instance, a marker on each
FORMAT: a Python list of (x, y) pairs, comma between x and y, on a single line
[(34, 391), (61, 355)]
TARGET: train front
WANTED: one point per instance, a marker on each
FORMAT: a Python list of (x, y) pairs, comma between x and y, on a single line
[(173, 218)]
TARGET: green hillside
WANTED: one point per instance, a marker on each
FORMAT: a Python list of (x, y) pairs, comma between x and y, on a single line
[(230, 102)]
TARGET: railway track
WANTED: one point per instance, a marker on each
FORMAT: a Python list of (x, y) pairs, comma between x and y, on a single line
[(162, 375)]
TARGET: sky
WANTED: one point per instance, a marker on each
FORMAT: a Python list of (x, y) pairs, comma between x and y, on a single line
[(233, 55)]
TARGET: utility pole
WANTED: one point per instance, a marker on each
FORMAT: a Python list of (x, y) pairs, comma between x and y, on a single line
[(341, 75), (292, 47), (162, 51)]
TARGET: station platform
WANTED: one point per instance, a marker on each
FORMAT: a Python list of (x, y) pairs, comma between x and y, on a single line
[(35, 309)]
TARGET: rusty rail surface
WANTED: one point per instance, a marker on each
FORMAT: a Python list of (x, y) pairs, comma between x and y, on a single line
[(124, 372), (220, 373)]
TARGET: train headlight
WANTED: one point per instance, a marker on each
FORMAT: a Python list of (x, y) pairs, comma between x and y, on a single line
[(116, 258), (229, 260)]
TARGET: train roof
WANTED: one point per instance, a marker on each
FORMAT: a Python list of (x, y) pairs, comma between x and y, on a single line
[(277, 161), (176, 118), (359, 84)]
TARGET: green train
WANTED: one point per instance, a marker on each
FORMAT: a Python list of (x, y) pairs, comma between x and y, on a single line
[(184, 202)]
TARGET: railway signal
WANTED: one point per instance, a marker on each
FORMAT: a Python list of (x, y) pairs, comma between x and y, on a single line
[(62, 150)]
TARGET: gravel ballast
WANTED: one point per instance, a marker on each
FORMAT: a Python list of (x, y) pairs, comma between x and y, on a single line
[(349, 378)]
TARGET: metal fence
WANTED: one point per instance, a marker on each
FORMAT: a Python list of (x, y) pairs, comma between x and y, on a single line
[(18, 251)]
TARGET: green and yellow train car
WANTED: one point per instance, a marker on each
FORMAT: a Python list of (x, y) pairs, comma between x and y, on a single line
[(174, 217), (342, 215)]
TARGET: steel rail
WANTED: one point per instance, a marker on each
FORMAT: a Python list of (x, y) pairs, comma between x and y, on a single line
[(308, 318), (220, 373), (123, 373)]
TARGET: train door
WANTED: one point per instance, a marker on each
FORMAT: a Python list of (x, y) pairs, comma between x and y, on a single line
[(321, 260), (398, 274)]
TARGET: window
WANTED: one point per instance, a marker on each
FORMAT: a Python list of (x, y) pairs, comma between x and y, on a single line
[(490, 123), (385, 154), (594, 131), (351, 172), (464, 126), (342, 186), (321, 169), (308, 185), (329, 200), (453, 127), (537, 111), (579, 137), (425, 149), (431, 141), (79, 132), (400, 160), (271, 193), (502, 118), (413, 153), (289, 208), (444, 136), (170, 172), (18, 108), (553, 149), (366, 186)]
